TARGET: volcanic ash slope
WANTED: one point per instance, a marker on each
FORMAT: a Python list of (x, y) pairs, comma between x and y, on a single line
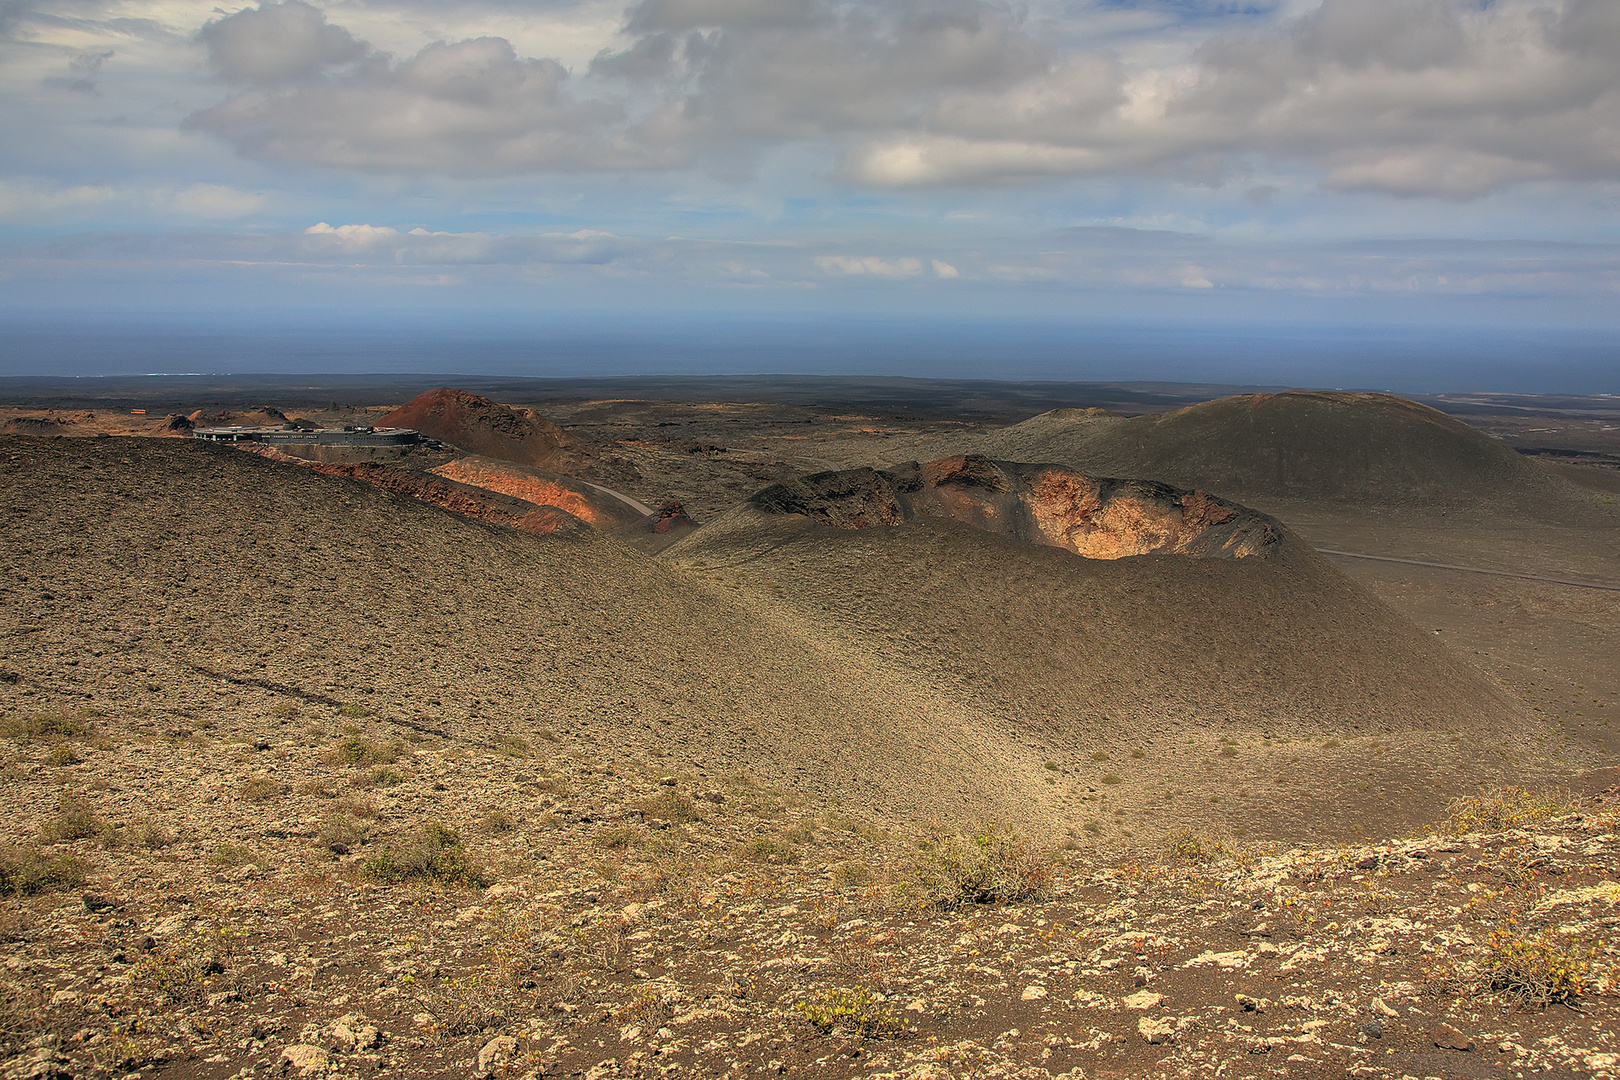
[(184, 584), (1354, 450), (1246, 685)]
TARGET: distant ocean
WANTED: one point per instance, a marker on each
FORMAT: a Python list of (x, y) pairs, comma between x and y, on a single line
[(1402, 360)]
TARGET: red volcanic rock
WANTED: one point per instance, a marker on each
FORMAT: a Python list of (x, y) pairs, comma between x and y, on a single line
[(481, 426), (672, 518), (463, 499), (1097, 517)]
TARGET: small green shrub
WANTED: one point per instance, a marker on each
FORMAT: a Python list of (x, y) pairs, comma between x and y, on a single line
[(851, 1012), (64, 754), (1111, 778), (1535, 971), (1099, 756), (26, 871), (357, 750), (617, 838), (1138, 753), (852, 873), (379, 776), (432, 853), (189, 968)]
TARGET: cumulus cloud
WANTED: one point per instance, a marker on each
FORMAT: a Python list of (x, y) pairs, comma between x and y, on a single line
[(277, 43), (1454, 98)]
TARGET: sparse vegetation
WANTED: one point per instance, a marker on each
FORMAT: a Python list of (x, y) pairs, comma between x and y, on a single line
[(1189, 848), (25, 871), (186, 970), (342, 829), (1501, 808), (992, 866), (851, 1012), (771, 851), (1541, 970), (356, 750), (150, 834), (431, 853), (74, 820), (48, 726), (259, 789), (669, 806), (497, 822), (513, 746)]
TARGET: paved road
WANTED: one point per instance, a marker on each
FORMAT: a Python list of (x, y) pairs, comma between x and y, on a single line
[(1611, 587), (635, 504)]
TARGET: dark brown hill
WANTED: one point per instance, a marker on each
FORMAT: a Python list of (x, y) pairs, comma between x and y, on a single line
[(32, 425), (481, 426), (1367, 450)]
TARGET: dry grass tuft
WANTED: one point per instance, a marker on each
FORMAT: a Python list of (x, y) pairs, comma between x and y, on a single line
[(358, 750), (48, 726), (74, 820), (993, 866), (25, 871), (432, 853), (669, 806), (261, 789)]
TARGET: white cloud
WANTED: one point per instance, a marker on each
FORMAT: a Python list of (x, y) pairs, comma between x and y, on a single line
[(869, 266), (945, 270), (352, 237)]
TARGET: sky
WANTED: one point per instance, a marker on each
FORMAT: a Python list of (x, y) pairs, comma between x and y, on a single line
[(1443, 168)]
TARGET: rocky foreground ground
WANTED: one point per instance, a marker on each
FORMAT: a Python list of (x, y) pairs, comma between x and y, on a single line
[(336, 900)]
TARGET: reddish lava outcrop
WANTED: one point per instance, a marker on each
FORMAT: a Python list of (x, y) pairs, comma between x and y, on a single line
[(1051, 505), (481, 426), (463, 499), (506, 479)]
